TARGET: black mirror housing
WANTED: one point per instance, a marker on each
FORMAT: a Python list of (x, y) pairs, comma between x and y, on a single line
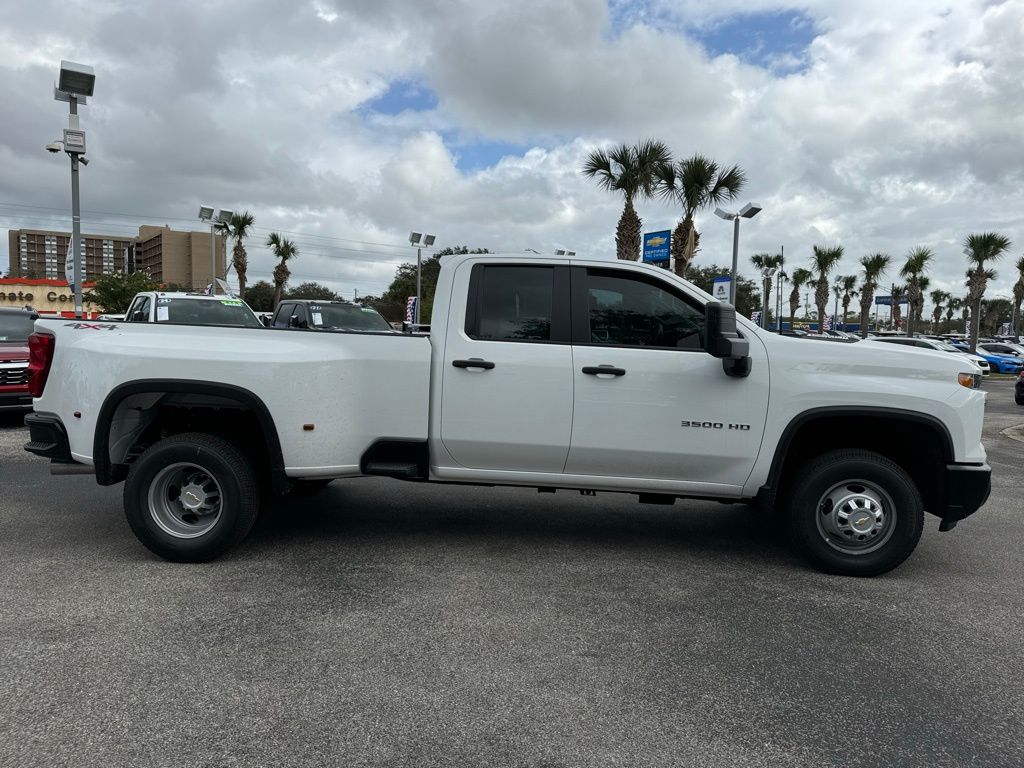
[(722, 339)]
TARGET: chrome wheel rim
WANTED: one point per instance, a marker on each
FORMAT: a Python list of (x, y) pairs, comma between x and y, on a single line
[(855, 517), (185, 500)]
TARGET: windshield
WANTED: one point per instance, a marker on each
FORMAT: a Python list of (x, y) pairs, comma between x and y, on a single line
[(229, 312), (945, 347), (15, 327), (346, 317)]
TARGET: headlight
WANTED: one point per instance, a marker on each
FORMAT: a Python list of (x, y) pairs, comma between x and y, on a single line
[(969, 380)]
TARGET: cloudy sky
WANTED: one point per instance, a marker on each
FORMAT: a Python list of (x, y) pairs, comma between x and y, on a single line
[(877, 125)]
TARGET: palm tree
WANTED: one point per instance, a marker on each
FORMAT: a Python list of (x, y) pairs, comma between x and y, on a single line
[(913, 270), (1018, 297), (847, 284), (938, 297), (800, 278), (874, 265), (899, 293), (824, 261), (980, 249), (695, 183), (237, 228), (283, 250), (765, 261), (952, 305), (631, 171)]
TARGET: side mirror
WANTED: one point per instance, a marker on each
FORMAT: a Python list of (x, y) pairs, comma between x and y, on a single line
[(296, 322), (724, 341)]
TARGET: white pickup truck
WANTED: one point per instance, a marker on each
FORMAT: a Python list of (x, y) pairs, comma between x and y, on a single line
[(592, 375)]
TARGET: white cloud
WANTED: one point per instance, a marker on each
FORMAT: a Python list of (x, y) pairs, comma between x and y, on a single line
[(901, 128)]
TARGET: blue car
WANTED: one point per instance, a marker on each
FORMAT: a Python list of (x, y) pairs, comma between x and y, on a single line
[(1002, 363)]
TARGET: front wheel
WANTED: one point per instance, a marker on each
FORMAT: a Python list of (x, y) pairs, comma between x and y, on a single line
[(854, 513), (191, 497)]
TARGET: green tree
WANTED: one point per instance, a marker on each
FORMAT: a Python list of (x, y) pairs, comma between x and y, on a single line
[(801, 277), (312, 291), (913, 271), (981, 249), (115, 292), (847, 286), (695, 183), (899, 293), (284, 250), (952, 306), (938, 297), (632, 171), (1018, 297), (994, 312), (748, 298), (824, 261), (237, 228), (260, 296), (391, 304)]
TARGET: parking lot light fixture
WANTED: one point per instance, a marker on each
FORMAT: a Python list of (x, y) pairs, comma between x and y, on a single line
[(419, 241), (75, 83), (208, 214), (748, 211)]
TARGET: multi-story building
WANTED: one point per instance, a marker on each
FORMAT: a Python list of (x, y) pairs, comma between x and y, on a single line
[(170, 257)]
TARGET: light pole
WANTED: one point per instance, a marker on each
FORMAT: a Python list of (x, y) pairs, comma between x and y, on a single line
[(782, 277), (207, 214), (835, 311), (75, 85), (419, 241), (748, 211)]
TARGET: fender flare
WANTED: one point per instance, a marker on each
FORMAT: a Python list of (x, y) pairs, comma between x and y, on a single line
[(108, 474)]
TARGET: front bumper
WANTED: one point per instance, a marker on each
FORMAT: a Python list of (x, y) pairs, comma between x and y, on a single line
[(18, 400), (48, 438), (967, 489)]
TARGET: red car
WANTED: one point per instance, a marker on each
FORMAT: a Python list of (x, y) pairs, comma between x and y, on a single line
[(15, 326)]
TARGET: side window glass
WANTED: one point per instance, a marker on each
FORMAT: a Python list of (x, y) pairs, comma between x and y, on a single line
[(142, 310), (631, 311), (282, 315), (513, 303)]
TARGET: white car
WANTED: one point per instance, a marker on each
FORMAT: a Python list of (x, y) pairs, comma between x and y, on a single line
[(543, 372), (190, 309), (938, 346)]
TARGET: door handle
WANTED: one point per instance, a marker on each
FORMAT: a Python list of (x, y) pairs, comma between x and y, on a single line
[(473, 362), (595, 370)]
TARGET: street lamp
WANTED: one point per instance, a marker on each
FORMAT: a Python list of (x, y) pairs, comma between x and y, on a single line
[(207, 214), (835, 311), (75, 84), (748, 211), (419, 241)]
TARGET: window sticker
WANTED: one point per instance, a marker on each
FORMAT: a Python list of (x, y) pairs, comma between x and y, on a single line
[(318, 319), (162, 315), (231, 302)]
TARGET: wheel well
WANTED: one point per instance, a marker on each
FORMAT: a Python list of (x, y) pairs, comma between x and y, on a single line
[(136, 415), (922, 448)]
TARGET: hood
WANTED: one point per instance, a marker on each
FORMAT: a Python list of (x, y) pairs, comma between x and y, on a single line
[(13, 350)]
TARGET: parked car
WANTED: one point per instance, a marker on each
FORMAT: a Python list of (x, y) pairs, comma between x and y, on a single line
[(314, 314), (539, 372), (1002, 363), (1003, 348), (15, 328), (190, 309), (938, 346)]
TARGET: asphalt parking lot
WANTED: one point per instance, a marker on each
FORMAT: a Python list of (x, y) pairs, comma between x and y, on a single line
[(390, 624)]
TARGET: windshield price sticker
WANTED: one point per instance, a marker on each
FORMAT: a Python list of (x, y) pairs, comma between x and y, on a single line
[(162, 314), (318, 319), (163, 301), (231, 302)]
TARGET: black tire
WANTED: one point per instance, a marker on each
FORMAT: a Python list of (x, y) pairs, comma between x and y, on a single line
[(310, 487), (1018, 399), (236, 490), (837, 482)]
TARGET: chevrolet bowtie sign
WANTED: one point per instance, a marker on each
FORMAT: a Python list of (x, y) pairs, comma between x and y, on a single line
[(656, 247)]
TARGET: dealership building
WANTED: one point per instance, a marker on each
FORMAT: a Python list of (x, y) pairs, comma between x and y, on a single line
[(47, 297), (171, 257)]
